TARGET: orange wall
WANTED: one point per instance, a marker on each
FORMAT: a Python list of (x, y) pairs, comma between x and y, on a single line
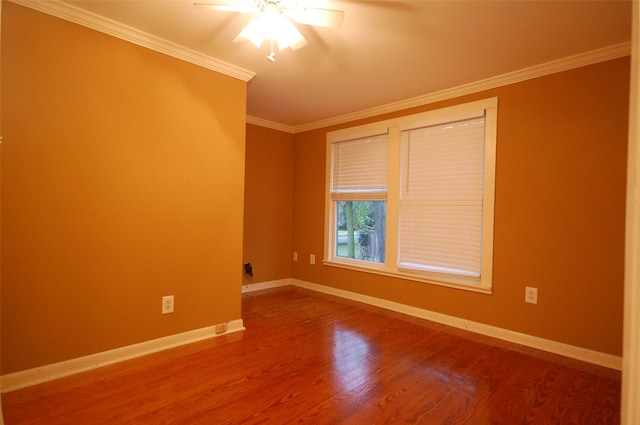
[(268, 204), (122, 174), (559, 212)]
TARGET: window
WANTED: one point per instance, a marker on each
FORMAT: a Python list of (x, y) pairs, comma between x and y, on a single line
[(413, 197), (359, 195)]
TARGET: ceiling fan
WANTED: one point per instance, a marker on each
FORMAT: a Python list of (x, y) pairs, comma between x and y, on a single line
[(275, 20)]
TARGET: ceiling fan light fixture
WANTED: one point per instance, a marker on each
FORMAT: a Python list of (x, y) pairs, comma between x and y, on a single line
[(275, 20), (272, 26), (288, 35)]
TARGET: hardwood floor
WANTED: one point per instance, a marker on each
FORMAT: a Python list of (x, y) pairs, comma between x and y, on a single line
[(311, 358)]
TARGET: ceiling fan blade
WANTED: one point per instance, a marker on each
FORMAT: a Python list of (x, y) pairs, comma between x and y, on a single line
[(318, 17), (246, 6)]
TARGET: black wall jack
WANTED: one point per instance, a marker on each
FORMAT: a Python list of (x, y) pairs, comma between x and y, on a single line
[(248, 269)]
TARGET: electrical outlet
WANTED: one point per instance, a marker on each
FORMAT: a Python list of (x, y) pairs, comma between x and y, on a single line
[(167, 304), (221, 328), (531, 295), (295, 256), (312, 259)]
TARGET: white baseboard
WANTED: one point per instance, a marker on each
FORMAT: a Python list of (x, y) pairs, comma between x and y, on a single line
[(29, 377), (266, 285), (566, 350), (26, 378)]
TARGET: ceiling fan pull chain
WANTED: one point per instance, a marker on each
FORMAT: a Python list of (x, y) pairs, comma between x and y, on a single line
[(272, 55)]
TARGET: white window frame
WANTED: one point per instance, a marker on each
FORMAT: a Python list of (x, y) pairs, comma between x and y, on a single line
[(393, 127)]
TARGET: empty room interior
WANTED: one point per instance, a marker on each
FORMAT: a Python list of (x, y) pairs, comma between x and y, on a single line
[(410, 212)]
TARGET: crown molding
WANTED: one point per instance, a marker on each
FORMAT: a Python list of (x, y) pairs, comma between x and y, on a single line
[(560, 65), (91, 20), (99, 23), (270, 124)]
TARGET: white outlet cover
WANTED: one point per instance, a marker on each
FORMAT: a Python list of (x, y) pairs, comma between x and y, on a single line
[(531, 295), (167, 304)]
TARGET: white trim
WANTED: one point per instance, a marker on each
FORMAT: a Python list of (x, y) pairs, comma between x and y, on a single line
[(560, 65), (270, 124), (566, 350), (116, 29), (265, 285), (94, 21), (29, 377), (455, 282), (630, 408), (486, 108)]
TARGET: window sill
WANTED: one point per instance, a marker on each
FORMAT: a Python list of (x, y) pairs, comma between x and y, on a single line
[(472, 287)]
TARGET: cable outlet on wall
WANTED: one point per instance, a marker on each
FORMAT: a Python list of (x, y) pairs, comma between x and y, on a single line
[(530, 295), (167, 304)]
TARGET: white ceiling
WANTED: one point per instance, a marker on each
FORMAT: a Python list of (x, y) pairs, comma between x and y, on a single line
[(386, 51)]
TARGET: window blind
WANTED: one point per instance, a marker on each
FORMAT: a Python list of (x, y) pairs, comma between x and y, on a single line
[(441, 198), (360, 168)]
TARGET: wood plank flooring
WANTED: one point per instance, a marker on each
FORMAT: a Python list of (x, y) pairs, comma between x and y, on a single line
[(311, 358)]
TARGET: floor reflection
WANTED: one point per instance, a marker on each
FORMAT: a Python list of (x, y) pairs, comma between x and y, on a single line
[(361, 366), (351, 355)]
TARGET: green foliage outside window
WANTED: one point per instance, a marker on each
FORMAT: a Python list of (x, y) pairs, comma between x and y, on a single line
[(361, 230)]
